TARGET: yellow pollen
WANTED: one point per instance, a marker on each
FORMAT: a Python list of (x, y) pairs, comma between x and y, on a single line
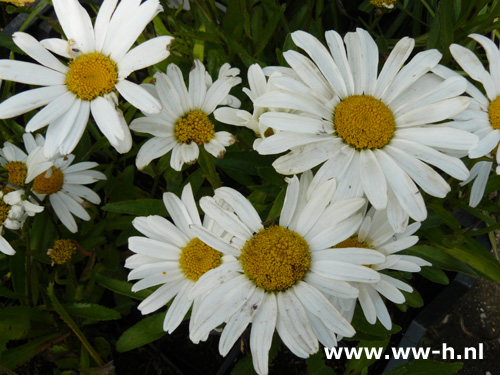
[(62, 251), (91, 75), (4, 211), (494, 113), (50, 185), (364, 122), (275, 258), (384, 3), (198, 258), (352, 242), (195, 126), (17, 172)]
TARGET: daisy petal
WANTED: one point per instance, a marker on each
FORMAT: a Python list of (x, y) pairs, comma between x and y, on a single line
[(138, 97)]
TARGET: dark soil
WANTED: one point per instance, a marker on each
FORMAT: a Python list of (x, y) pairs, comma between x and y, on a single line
[(473, 319)]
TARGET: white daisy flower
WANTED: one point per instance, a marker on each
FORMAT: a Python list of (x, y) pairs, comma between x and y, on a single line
[(374, 132), (388, 4), (64, 184), (23, 167), (100, 62), (283, 272), (484, 112), (234, 116), (173, 257), (13, 212), (376, 233), (183, 124)]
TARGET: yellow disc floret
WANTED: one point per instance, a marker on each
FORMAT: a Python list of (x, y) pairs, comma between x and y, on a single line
[(195, 126), (62, 251), (389, 4), (364, 122), (275, 258), (49, 185), (4, 211), (91, 75), (198, 258), (494, 113), (17, 172), (352, 242)]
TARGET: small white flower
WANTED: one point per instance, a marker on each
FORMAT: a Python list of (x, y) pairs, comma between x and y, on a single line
[(24, 167), (100, 63), (376, 233), (484, 113), (13, 212), (64, 184), (172, 257), (183, 124)]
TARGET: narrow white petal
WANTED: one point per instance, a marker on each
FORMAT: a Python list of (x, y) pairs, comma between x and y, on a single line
[(197, 85), (37, 52), (102, 22), (296, 123), (345, 271), (214, 241), (28, 100), (31, 74), (339, 55), (138, 96), (63, 213), (305, 157), (331, 287), (242, 207), (240, 320), (52, 111), (79, 126), (434, 112), (262, 332), (59, 129), (373, 179), (178, 309), (290, 202), (144, 55), (56, 45)]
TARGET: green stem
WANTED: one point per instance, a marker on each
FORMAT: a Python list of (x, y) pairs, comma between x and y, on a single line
[(209, 172), (429, 9)]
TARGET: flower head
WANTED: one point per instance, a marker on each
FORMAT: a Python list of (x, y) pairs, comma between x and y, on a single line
[(100, 62), (375, 133), (62, 251), (483, 116), (283, 273), (376, 233), (184, 125), (172, 256)]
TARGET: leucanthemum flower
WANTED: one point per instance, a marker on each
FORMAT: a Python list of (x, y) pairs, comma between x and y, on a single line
[(64, 185), (23, 167), (14, 209), (388, 4), (183, 124), (484, 112), (234, 116), (172, 256), (283, 272), (100, 62), (377, 234), (374, 132)]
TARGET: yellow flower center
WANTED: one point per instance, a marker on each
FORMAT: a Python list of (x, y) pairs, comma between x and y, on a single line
[(4, 211), (62, 251), (197, 258), (494, 113), (384, 3), (91, 75), (50, 185), (364, 122), (352, 242), (275, 258), (195, 126), (17, 172)]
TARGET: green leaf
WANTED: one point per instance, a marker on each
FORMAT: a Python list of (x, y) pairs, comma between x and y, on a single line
[(413, 299), (71, 324), (121, 287), (13, 328), (435, 275), (91, 311), (426, 367), (17, 356), (147, 330), (355, 366), (138, 207), (488, 267), (316, 365)]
